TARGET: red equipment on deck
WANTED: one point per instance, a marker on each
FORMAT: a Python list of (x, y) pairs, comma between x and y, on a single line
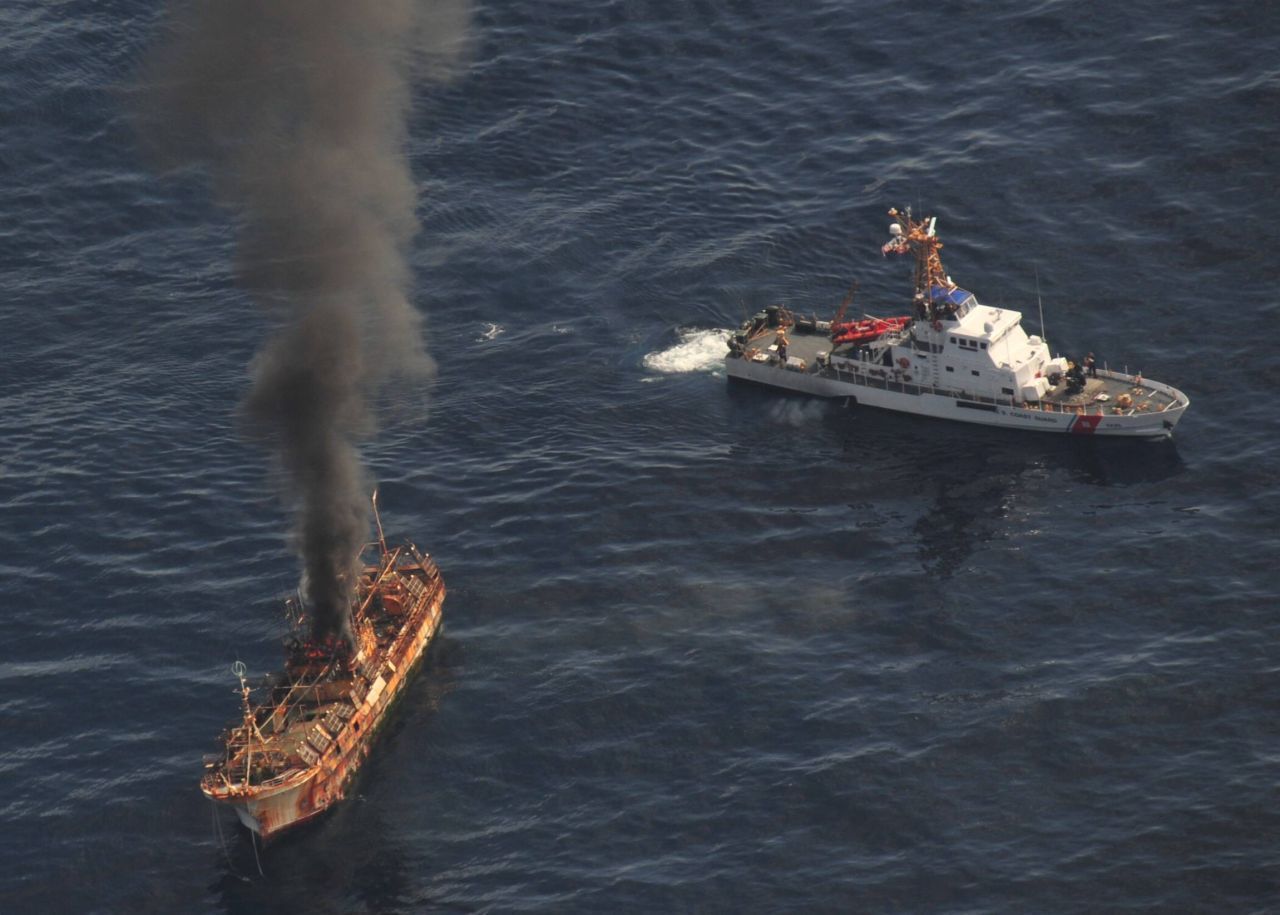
[(867, 330)]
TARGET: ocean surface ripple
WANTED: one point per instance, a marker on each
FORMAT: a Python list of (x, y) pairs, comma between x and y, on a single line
[(707, 648)]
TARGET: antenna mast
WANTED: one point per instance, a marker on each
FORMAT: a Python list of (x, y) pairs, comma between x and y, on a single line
[(1040, 302), (382, 540), (920, 237), (250, 723)]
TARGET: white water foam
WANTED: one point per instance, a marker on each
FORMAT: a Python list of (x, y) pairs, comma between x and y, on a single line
[(697, 351), (490, 331), (799, 413)]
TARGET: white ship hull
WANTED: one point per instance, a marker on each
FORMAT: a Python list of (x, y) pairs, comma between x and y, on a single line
[(922, 400), (951, 357)]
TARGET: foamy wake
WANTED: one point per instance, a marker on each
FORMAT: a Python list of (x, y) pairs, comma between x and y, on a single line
[(697, 351)]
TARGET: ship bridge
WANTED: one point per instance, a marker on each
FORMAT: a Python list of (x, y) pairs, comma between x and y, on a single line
[(985, 322), (956, 302)]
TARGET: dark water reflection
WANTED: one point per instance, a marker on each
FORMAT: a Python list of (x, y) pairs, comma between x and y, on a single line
[(708, 648), (967, 476)]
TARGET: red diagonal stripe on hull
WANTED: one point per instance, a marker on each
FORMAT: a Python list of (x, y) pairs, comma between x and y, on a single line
[(1085, 425)]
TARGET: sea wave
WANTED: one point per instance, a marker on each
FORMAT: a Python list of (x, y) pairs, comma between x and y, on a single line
[(490, 332)]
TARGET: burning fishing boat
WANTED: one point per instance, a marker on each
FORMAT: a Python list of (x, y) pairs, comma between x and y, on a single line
[(304, 732)]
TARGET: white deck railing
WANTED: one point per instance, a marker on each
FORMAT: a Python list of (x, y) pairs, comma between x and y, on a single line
[(1097, 408)]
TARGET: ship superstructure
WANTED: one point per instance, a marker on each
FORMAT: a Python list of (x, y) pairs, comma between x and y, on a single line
[(304, 732), (951, 358)]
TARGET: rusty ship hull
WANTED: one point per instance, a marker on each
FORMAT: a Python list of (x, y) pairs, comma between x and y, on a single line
[(301, 742)]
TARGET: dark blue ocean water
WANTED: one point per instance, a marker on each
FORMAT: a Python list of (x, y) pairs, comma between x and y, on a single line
[(707, 648)]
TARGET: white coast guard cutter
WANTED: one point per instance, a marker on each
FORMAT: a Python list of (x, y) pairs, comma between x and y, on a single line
[(952, 358)]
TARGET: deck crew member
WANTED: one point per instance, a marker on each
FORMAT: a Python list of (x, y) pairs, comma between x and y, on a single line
[(1091, 366), (1075, 378), (780, 342)]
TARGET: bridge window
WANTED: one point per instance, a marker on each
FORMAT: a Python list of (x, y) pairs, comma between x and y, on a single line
[(975, 371)]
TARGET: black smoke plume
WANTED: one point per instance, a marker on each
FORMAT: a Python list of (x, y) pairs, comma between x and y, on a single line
[(298, 111)]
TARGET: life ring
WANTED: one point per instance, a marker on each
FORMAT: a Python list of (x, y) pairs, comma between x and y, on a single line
[(937, 325), (904, 362)]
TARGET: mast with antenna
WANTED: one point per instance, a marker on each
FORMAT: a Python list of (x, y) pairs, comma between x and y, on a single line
[(920, 237), (382, 540), (1040, 302), (251, 731)]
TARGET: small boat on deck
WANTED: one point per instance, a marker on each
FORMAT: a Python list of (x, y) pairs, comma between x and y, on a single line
[(866, 330), (952, 358)]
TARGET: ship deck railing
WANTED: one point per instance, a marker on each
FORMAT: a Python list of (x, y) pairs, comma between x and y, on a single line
[(1046, 405)]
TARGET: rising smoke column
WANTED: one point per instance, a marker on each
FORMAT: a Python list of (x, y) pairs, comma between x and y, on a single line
[(298, 110)]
